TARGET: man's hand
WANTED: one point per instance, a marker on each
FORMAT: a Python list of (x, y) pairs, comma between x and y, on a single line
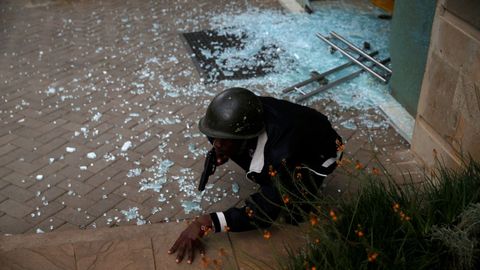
[(221, 159), (189, 239)]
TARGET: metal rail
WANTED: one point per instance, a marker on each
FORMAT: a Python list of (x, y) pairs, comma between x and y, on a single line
[(360, 51), (368, 69), (336, 82), (316, 77)]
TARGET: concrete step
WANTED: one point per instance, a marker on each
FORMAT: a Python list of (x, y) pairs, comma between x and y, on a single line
[(144, 247)]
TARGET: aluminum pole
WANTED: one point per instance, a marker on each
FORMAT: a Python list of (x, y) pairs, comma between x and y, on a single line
[(323, 75), (335, 83), (352, 58), (360, 51)]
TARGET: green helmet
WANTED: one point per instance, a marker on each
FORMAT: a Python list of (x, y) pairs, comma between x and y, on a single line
[(235, 113)]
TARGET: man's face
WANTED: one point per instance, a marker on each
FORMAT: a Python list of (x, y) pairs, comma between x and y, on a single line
[(225, 148)]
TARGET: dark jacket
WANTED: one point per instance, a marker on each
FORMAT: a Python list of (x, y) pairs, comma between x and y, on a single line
[(296, 136)]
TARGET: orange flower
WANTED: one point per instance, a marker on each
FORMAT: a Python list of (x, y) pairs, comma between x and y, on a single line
[(359, 231), (313, 219), (249, 212), (222, 252), (272, 172), (226, 228), (404, 216), (217, 262), (313, 268), (358, 165), (267, 234), (372, 256), (205, 261), (396, 207), (376, 171), (286, 199), (333, 215), (340, 145), (298, 176), (317, 241)]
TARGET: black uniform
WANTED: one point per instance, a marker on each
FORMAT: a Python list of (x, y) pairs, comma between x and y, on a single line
[(295, 138)]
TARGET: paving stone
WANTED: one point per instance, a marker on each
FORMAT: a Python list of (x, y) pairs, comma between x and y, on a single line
[(28, 144), (14, 208), (132, 193), (104, 149), (104, 205), (75, 217), (103, 178), (3, 184), (75, 201), (337, 184), (126, 254), (49, 168), (16, 193), (147, 146), (70, 126), (47, 182), (50, 146), (13, 225), (48, 225), (111, 218), (4, 171), (126, 204), (16, 155), (99, 165), (4, 149), (100, 140), (19, 180), (27, 132), (7, 138), (67, 227), (50, 194), (75, 186), (42, 212), (3, 198), (74, 172), (52, 134)]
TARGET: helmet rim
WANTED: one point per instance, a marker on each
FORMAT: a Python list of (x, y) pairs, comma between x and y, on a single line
[(225, 135)]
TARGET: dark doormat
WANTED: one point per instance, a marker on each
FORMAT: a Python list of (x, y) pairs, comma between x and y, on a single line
[(207, 46)]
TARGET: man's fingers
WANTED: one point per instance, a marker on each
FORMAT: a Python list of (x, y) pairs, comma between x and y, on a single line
[(173, 248), (190, 250), (181, 252), (201, 247)]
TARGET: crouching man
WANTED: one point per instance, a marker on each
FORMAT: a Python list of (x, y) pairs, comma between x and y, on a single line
[(270, 139)]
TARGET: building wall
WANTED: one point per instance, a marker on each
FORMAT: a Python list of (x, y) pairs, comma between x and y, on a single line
[(448, 113)]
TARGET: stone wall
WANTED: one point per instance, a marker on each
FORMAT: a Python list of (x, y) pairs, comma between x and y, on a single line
[(448, 118)]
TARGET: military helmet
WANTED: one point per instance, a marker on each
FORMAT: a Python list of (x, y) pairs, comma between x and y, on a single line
[(235, 113)]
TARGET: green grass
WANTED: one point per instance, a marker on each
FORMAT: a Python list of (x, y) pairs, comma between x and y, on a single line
[(432, 225)]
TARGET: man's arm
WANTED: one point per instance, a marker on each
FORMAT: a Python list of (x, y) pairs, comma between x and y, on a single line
[(260, 210)]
